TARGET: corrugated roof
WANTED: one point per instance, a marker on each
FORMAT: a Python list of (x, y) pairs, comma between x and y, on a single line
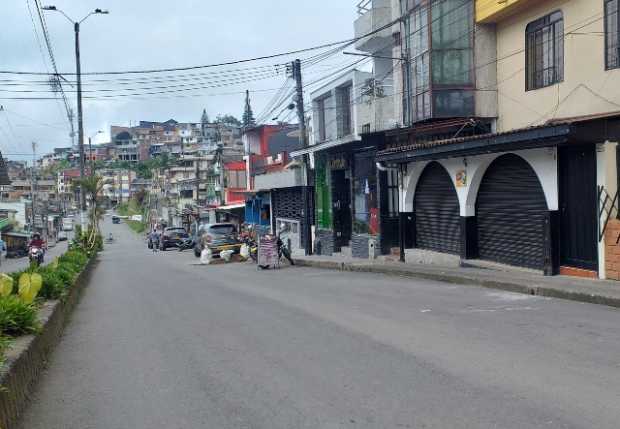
[(442, 142)]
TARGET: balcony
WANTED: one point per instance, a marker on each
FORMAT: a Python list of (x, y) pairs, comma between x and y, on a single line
[(278, 180), (492, 11), (373, 15)]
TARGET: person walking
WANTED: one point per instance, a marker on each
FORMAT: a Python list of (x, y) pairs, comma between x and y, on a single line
[(155, 240)]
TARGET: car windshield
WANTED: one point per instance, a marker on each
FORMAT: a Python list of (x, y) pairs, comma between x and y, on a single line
[(222, 229)]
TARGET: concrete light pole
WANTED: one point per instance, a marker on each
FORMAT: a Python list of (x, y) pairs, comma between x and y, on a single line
[(78, 72)]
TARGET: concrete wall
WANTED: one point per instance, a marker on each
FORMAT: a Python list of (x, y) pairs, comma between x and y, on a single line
[(587, 88), (485, 57), (543, 162)]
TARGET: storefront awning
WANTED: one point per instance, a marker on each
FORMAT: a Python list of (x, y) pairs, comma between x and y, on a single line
[(584, 129), (231, 207)]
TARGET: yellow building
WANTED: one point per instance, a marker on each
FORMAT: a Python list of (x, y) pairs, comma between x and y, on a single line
[(539, 188)]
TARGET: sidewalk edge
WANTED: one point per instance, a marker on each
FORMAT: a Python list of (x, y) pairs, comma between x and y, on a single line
[(545, 291)]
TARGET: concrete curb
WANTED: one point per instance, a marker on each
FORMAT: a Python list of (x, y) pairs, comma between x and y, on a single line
[(28, 355), (467, 280)]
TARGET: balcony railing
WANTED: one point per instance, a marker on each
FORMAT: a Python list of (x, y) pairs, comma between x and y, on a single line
[(364, 6)]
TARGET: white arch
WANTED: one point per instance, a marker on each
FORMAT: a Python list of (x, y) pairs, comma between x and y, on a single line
[(543, 161)]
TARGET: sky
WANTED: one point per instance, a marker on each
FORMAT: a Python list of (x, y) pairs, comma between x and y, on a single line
[(154, 34)]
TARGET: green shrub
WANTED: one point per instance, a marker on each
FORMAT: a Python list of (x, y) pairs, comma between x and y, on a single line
[(53, 284), (17, 317)]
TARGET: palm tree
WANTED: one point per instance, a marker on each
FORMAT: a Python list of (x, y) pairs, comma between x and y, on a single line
[(93, 187)]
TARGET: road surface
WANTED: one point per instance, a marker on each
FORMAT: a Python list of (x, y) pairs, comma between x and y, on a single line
[(160, 342), (16, 264)]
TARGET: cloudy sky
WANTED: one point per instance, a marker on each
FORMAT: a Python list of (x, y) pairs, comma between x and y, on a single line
[(154, 34)]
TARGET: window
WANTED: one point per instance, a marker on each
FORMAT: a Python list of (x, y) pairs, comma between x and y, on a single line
[(392, 193), (612, 37), (544, 51), (438, 39), (343, 109)]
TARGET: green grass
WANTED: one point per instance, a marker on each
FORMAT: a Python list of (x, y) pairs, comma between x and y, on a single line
[(129, 209), (136, 226), (17, 317)]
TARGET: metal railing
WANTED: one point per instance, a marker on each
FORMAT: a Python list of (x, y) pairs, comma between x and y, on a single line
[(364, 6), (607, 208)]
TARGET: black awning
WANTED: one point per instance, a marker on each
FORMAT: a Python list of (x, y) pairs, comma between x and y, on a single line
[(529, 138)]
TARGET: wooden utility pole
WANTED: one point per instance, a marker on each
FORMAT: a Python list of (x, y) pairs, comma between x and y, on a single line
[(303, 138)]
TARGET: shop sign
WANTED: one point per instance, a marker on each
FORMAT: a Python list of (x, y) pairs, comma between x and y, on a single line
[(461, 178), (338, 163)]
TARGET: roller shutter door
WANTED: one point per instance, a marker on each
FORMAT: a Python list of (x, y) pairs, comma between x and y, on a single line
[(437, 211), (511, 210)]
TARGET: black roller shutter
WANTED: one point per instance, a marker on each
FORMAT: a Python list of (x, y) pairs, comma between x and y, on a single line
[(437, 211), (511, 210)]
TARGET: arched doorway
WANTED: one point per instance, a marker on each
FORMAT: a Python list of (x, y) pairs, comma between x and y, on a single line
[(511, 210), (437, 214)]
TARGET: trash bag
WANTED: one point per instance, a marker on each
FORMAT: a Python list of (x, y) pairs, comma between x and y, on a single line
[(244, 252), (205, 256), (226, 255)]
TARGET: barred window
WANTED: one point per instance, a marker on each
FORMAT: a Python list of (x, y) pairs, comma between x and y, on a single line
[(612, 37), (545, 51)]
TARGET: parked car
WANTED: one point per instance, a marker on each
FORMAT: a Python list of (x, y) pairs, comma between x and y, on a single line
[(116, 219), (67, 224), (217, 237), (62, 236), (172, 237)]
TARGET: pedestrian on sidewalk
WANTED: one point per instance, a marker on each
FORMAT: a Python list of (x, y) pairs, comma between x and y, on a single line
[(155, 240)]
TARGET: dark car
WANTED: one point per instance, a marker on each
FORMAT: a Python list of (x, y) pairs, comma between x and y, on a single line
[(172, 237), (116, 219), (217, 237)]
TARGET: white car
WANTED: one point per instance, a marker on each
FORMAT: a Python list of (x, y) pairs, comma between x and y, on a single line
[(62, 236), (67, 224)]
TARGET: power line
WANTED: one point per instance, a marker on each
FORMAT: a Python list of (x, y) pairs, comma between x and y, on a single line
[(226, 63)]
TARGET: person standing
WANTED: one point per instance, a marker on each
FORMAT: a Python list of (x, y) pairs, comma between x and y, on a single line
[(155, 240)]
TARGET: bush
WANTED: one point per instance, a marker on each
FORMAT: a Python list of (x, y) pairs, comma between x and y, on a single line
[(53, 284), (17, 317)]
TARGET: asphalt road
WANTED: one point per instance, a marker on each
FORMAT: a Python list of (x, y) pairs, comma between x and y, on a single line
[(159, 342), (16, 264)]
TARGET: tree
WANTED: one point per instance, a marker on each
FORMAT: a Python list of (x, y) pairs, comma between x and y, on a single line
[(92, 187), (227, 120), (248, 116)]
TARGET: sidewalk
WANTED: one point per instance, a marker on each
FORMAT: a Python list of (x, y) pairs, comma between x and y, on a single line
[(603, 292)]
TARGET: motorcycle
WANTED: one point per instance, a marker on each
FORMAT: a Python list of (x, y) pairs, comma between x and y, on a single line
[(283, 250), (35, 254), (186, 244)]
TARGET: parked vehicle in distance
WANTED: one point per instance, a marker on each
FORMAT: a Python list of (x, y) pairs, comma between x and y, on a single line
[(172, 237), (62, 236), (67, 224), (116, 219), (217, 237)]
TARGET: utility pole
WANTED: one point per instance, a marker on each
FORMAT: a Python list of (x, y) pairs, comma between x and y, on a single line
[(197, 161), (76, 29), (303, 138), (78, 71), (33, 186)]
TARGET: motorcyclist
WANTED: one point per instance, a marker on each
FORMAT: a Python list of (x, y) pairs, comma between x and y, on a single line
[(37, 241)]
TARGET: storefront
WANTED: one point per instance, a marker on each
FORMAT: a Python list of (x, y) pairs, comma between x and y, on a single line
[(528, 198)]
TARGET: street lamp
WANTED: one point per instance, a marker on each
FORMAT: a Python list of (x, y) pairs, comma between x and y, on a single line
[(76, 28)]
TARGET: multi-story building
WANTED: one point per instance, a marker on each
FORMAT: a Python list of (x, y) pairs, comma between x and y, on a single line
[(274, 182), (512, 154)]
